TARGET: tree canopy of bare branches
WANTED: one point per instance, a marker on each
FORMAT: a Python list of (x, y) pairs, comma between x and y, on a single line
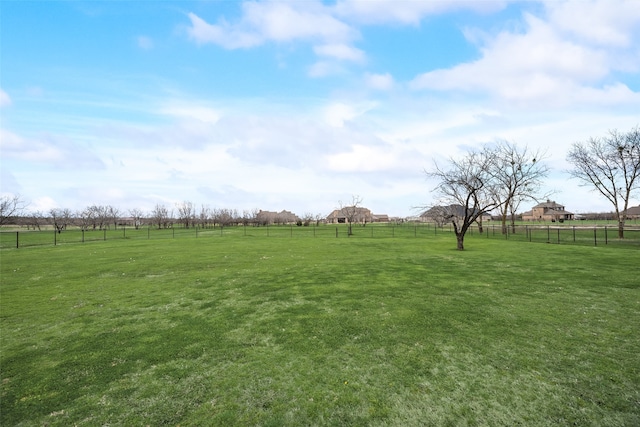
[(519, 176), (351, 211), (610, 165), (11, 207), (469, 186)]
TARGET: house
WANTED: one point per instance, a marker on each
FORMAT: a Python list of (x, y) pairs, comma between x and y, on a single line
[(380, 218), (357, 214), (443, 214), (633, 212), (547, 211)]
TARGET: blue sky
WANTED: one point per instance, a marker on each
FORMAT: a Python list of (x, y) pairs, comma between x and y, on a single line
[(299, 105)]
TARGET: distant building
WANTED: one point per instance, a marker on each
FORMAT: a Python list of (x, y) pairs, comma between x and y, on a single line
[(341, 216), (547, 211), (443, 214), (380, 218), (633, 212)]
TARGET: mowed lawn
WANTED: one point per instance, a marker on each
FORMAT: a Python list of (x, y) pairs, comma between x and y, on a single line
[(276, 331)]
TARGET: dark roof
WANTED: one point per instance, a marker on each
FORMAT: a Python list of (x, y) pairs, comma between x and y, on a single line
[(634, 210), (549, 204), (454, 210)]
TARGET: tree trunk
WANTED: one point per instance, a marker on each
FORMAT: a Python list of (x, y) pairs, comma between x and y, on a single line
[(460, 239), (621, 229)]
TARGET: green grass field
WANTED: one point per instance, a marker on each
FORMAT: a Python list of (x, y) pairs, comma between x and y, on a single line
[(377, 331)]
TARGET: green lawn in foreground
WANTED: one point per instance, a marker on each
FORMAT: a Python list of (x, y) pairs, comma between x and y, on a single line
[(320, 331)]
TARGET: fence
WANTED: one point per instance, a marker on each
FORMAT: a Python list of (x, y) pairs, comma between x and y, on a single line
[(586, 235)]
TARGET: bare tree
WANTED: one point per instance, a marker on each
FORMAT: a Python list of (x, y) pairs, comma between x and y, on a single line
[(469, 185), (186, 213), (225, 217), (204, 216), (112, 214), (351, 211), (61, 218), (84, 219), (519, 177), (137, 217), (11, 207), (35, 220), (611, 166), (160, 216)]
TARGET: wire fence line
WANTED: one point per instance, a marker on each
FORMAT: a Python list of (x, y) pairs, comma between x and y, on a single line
[(567, 234)]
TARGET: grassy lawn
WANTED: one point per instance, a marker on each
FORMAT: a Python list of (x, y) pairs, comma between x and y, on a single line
[(376, 331)]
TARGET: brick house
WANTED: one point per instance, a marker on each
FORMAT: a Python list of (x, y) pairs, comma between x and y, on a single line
[(547, 211)]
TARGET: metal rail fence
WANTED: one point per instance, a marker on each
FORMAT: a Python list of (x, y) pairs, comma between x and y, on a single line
[(566, 234)]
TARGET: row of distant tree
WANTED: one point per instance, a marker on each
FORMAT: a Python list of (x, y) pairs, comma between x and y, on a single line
[(185, 214)]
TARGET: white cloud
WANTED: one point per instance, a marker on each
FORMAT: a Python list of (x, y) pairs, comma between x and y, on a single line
[(407, 12), (361, 158), (272, 21), (340, 51), (47, 150), (602, 22), (536, 67), (325, 68), (379, 81), (144, 42), (222, 34), (5, 100), (338, 113)]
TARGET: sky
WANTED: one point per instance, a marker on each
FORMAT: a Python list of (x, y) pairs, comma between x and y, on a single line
[(301, 105)]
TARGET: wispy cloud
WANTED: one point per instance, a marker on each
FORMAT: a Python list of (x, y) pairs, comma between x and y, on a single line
[(144, 42), (5, 100)]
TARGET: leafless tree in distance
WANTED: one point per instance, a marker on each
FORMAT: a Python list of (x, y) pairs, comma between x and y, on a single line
[(11, 206), (519, 176), (610, 165), (468, 183), (350, 211)]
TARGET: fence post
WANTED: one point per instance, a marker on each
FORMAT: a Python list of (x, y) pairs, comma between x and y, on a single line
[(17, 239), (336, 231), (83, 235), (124, 231), (55, 238), (574, 234), (548, 234), (606, 237), (558, 235), (595, 236)]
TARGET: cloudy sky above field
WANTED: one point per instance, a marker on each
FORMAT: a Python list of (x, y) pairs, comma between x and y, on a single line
[(298, 105)]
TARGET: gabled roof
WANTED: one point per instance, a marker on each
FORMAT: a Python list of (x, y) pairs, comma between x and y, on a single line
[(549, 204), (453, 210), (634, 210)]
